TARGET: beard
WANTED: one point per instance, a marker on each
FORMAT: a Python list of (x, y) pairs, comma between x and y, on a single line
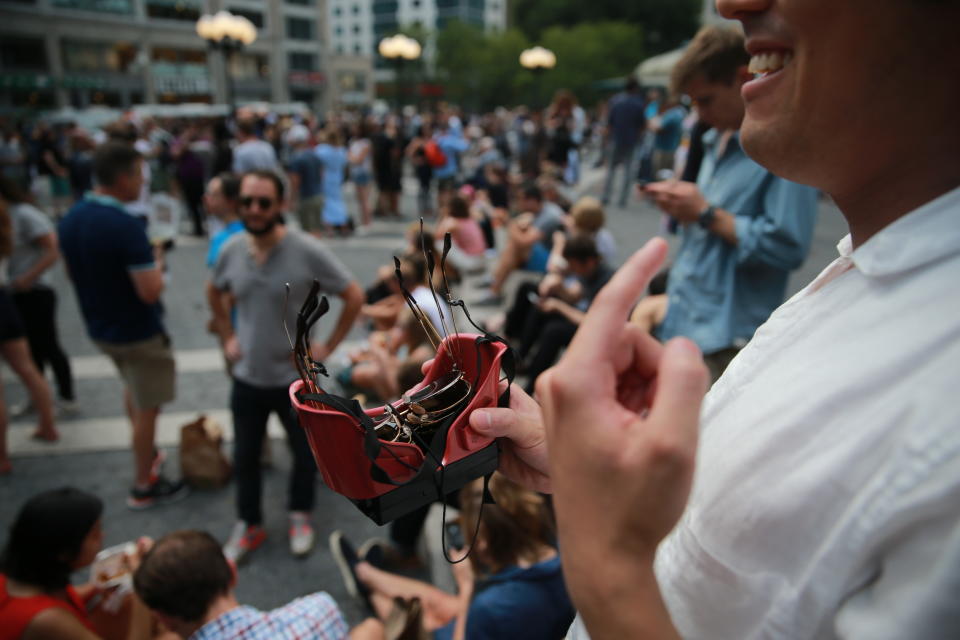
[(265, 229)]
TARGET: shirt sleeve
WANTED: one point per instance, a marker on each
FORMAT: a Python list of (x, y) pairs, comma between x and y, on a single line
[(35, 223), (219, 276), (135, 249), (780, 236), (333, 275)]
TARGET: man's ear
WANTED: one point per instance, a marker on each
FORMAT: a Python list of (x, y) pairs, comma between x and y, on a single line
[(233, 575)]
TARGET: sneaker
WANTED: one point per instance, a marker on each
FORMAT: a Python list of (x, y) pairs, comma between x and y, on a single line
[(374, 551), (301, 534), (67, 408), (244, 540), (21, 410), (162, 491), (387, 556), (347, 559)]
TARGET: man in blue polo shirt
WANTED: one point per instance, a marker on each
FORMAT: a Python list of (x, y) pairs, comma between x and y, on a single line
[(118, 280)]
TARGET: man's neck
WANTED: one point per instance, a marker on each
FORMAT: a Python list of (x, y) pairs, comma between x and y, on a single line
[(107, 191), (220, 606), (892, 194), (268, 241)]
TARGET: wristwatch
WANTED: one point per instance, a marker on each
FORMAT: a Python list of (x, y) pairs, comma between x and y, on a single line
[(707, 216)]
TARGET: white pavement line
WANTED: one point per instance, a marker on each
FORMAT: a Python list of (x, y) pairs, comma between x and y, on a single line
[(188, 361), (112, 434)]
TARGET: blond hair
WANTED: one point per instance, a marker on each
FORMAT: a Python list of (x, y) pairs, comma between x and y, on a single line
[(587, 214)]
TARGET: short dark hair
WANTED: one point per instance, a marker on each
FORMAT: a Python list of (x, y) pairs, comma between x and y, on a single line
[(459, 208), (183, 574), (47, 536), (580, 246), (113, 159), (229, 185), (715, 53), (531, 190), (265, 174), (246, 127)]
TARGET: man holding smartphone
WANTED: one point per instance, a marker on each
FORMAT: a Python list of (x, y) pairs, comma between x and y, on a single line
[(743, 229)]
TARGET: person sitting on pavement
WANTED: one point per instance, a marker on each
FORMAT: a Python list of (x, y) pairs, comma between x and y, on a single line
[(529, 238), (468, 247), (511, 586), (560, 305), (56, 533), (188, 584)]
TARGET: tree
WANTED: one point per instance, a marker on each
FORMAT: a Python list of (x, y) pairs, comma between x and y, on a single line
[(666, 23)]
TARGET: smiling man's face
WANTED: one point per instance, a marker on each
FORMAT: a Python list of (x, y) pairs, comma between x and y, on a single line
[(832, 79)]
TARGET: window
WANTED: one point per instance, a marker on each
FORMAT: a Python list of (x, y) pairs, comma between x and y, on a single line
[(339, 31), (356, 28), (356, 49), (174, 10), (302, 3), (79, 55), (337, 11), (340, 49), (356, 9), (416, 4), (100, 6), (249, 66), (253, 16), (300, 61), (299, 28), (22, 53)]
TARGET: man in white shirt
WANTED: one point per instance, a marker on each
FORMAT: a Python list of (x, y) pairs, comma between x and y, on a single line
[(825, 496)]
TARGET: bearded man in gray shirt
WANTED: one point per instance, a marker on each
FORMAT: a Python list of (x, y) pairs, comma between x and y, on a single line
[(251, 274)]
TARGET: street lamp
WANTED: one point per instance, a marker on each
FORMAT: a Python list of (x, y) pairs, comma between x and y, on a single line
[(537, 60), (399, 49), (228, 33)]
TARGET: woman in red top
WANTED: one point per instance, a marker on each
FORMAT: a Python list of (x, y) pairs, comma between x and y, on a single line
[(55, 533)]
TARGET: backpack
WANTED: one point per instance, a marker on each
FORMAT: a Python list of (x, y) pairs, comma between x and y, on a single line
[(435, 156)]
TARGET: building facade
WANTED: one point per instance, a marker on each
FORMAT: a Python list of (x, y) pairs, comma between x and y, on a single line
[(119, 53), (357, 26)]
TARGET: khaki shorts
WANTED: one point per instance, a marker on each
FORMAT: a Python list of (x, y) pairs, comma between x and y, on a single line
[(310, 213), (146, 368)]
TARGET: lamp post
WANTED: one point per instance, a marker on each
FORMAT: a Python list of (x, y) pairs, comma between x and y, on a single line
[(399, 49), (537, 60), (227, 33)]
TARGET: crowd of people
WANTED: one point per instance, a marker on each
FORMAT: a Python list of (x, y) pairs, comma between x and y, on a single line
[(812, 493)]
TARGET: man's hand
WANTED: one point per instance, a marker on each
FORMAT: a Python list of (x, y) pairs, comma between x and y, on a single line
[(621, 414), (523, 454), (231, 349), (680, 200)]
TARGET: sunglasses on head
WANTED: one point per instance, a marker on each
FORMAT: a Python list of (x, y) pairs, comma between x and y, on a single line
[(262, 202)]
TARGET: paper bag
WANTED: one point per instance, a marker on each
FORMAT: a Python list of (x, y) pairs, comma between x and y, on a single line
[(202, 461)]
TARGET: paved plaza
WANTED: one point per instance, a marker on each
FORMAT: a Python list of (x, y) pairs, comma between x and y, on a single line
[(93, 453)]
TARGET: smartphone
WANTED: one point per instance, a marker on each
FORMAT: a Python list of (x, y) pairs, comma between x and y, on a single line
[(455, 536)]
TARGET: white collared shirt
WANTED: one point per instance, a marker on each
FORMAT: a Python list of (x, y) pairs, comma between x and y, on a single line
[(826, 501)]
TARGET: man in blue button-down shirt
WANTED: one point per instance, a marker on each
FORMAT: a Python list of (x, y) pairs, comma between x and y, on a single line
[(743, 228)]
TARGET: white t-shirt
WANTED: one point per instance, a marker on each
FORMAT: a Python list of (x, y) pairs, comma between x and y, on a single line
[(826, 502), (427, 304)]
